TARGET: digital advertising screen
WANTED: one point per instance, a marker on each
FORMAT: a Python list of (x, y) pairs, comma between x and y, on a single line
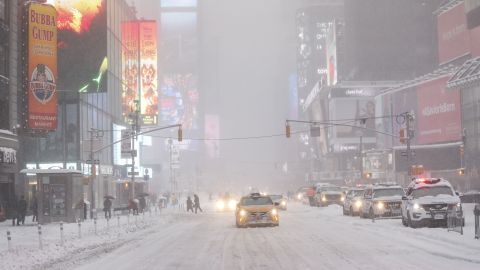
[(82, 45)]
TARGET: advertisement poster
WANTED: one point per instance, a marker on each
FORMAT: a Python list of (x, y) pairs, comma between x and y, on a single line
[(453, 35), (140, 71), (439, 113), (130, 73), (148, 72), (42, 67), (212, 134), (331, 55)]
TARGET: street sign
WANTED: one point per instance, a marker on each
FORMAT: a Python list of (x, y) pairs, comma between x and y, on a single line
[(126, 144), (134, 173), (95, 161)]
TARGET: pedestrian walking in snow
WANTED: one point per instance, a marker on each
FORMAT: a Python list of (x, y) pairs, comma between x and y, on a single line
[(34, 208), (12, 210), (143, 204), (133, 206), (197, 203), (189, 204), (22, 210), (107, 208)]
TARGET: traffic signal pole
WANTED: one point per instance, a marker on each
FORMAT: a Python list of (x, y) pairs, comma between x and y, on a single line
[(409, 138)]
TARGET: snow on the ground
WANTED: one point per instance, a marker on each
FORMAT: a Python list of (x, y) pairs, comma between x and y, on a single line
[(307, 238), (25, 253)]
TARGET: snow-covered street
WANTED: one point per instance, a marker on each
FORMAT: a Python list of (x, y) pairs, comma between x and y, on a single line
[(307, 238)]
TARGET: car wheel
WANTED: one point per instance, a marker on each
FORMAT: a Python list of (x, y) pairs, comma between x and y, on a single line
[(404, 222), (410, 223)]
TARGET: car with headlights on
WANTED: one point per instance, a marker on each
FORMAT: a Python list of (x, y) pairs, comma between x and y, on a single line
[(427, 202), (256, 210), (329, 194), (353, 201), (280, 200), (382, 200), (226, 202)]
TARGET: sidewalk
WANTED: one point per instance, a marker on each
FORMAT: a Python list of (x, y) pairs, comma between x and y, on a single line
[(25, 253)]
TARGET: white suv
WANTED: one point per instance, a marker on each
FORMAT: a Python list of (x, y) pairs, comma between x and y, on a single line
[(381, 200), (427, 201)]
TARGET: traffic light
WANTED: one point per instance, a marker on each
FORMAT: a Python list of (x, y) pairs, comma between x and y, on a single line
[(180, 134), (461, 171), (462, 150), (417, 170), (403, 138), (287, 130)]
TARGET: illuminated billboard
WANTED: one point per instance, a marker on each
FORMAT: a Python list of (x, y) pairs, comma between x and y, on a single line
[(179, 100), (82, 45), (41, 79), (453, 36), (140, 71)]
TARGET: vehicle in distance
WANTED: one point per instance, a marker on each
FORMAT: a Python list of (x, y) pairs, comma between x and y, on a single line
[(353, 201), (382, 200), (280, 200), (329, 194)]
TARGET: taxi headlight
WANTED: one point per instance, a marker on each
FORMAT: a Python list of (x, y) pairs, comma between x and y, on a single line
[(324, 199), (358, 204), (380, 205), (232, 204), (283, 203), (220, 205), (274, 212), (243, 213)]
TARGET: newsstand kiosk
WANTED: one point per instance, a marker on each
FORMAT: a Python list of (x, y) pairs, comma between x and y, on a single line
[(60, 192)]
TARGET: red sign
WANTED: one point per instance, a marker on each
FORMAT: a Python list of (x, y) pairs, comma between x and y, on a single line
[(439, 113), (453, 36), (475, 41)]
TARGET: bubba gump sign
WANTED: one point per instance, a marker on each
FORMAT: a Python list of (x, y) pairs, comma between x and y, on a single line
[(42, 66)]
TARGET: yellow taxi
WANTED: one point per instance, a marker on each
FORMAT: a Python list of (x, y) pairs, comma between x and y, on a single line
[(255, 210)]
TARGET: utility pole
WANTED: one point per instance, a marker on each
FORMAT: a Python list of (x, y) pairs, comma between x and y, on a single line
[(135, 128), (94, 133), (361, 157)]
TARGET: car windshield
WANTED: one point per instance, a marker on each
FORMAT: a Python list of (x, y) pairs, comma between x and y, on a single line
[(355, 193), (431, 191), (388, 192), (330, 189), (276, 197), (257, 201)]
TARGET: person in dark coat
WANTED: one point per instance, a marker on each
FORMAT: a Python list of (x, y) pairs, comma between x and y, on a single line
[(22, 210), (197, 203), (12, 210), (107, 207), (34, 208), (143, 204), (189, 204), (132, 206)]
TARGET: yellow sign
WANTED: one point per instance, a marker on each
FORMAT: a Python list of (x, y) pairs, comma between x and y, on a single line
[(42, 66)]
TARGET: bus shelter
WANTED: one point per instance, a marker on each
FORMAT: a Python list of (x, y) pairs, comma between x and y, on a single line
[(59, 195)]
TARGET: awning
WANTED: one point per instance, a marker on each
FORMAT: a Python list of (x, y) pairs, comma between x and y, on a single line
[(468, 74)]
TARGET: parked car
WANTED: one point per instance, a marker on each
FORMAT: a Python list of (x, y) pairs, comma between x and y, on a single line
[(353, 201), (382, 200), (329, 194), (427, 201)]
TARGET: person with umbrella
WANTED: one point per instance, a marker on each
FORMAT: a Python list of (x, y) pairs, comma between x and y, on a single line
[(107, 206)]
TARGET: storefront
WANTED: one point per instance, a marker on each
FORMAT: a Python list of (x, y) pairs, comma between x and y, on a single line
[(8, 168)]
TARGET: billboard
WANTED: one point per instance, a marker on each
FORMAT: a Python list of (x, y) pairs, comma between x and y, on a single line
[(453, 35), (439, 113), (82, 45), (179, 100), (353, 108), (140, 70), (332, 72), (42, 67), (212, 134)]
